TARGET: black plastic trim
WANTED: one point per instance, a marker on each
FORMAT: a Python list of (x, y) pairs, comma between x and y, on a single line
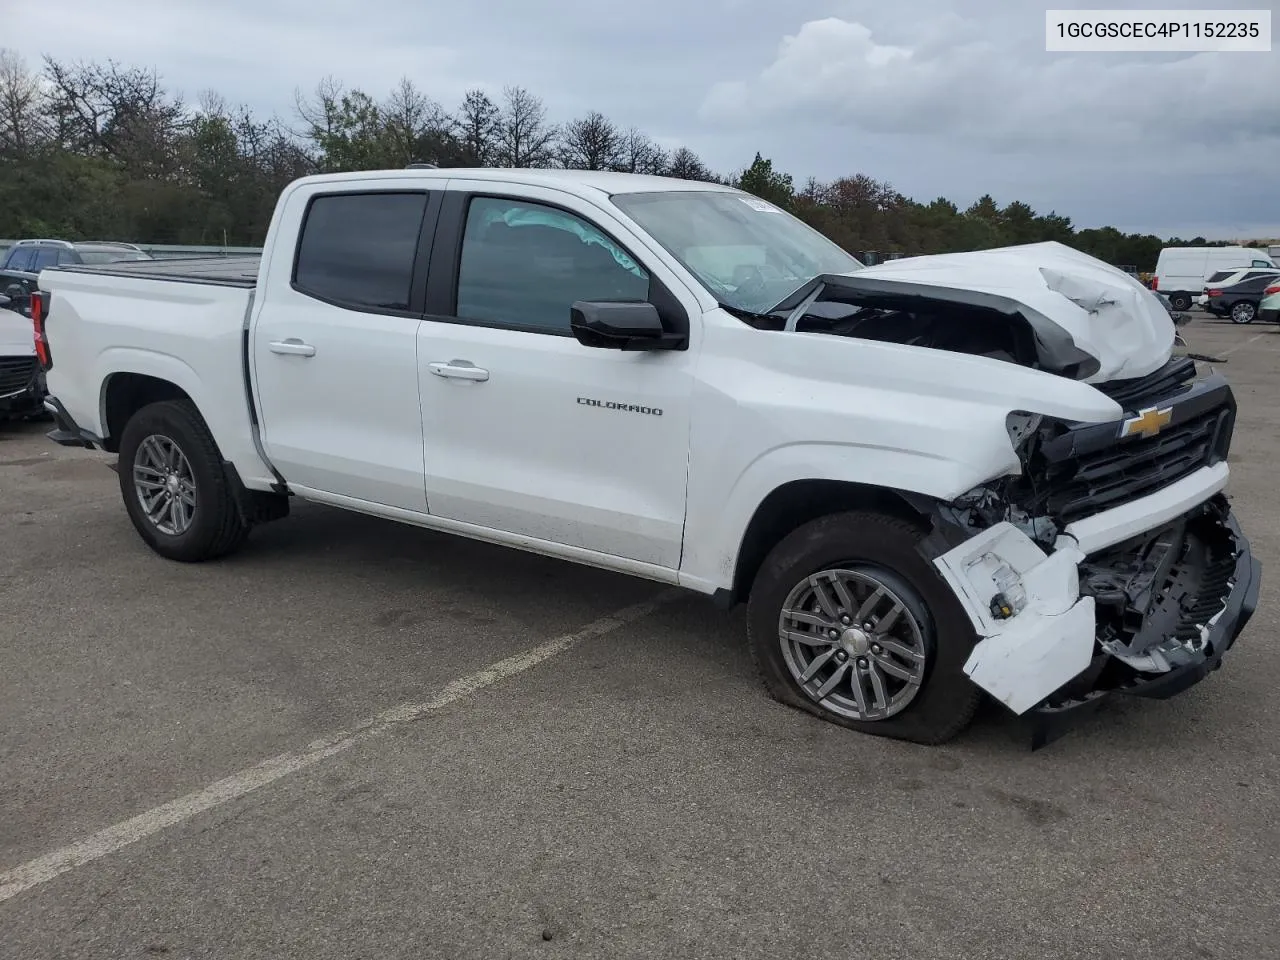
[(254, 506), (1055, 349), (68, 433), (1189, 403)]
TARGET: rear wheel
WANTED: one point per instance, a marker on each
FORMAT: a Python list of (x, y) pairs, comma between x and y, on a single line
[(1180, 301), (1243, 312), (849, 622), (173, 484)]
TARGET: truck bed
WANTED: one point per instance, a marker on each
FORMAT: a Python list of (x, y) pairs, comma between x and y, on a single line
[(224, 271)]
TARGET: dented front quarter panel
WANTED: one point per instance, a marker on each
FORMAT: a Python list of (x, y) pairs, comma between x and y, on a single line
[(772, 407)]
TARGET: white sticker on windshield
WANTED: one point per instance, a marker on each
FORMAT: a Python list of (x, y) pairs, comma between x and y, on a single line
[(760, 205)]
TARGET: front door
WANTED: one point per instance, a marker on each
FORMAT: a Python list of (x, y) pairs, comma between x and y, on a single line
[(527, 431)]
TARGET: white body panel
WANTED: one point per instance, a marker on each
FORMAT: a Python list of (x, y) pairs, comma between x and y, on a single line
[(15, 335), (186, 333)]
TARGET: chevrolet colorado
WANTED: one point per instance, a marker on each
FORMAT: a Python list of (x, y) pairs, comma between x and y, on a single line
[(927, 479)]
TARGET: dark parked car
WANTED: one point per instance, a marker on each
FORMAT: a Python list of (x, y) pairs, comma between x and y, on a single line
[(32, 256), (1239, 301), (23, 262)]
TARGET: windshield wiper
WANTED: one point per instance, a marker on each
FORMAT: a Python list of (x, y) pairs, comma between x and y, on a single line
[(750, 316)]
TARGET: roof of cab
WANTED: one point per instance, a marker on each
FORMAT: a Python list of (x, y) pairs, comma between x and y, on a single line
[(601, 181)]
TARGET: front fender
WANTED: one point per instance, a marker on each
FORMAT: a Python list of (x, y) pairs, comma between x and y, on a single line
[(715, 532)]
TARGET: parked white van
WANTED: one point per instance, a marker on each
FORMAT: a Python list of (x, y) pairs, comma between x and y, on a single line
[(1181, 272)]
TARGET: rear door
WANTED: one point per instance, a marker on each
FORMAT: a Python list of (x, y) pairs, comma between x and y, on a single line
[(335, 338), (526, 430)]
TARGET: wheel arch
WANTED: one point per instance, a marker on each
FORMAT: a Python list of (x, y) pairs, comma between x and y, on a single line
[(124, 393), (795, 503)]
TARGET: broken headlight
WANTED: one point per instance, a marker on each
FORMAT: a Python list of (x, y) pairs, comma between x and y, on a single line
[(1021, 425)]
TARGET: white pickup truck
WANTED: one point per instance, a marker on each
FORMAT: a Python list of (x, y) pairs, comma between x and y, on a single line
[(928, 479)]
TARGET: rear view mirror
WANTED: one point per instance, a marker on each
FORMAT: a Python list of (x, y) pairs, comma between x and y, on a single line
[(620, 326)]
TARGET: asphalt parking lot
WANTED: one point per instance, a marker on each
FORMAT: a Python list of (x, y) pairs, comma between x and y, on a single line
[(357, 739)]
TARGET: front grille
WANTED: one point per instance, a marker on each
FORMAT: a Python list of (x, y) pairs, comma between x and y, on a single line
[(1138, 392), (16, 374), (1082, 484)]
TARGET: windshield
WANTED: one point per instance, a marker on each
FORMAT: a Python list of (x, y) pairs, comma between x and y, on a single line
[(748, 253)]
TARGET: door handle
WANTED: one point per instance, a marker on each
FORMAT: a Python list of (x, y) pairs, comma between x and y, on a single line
[(293, 347), (458, 370)]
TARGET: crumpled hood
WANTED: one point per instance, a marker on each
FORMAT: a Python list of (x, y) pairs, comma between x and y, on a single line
[(1107, 313)]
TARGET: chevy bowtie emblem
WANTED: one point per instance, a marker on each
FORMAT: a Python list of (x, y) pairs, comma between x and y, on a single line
[(1147, 423)]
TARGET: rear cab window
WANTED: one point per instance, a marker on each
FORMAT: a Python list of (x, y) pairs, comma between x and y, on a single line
[(359, 250)]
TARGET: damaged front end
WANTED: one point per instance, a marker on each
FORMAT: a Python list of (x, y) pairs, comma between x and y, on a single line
[(1113, 563)]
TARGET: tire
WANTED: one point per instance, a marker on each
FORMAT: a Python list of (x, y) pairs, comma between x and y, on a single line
[(1180, 301), (214, 526), (1243, 312), (881, 550)]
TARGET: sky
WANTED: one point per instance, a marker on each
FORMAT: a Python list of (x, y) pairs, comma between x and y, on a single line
[(952, 98)]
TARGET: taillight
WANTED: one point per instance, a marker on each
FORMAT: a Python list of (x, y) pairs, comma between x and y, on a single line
[(1155, 283), (1270, 290), (39, 310), (1213, 293)]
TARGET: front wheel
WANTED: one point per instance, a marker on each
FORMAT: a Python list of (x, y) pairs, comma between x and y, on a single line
[(1243, 312), (849, 622), (173, 484)]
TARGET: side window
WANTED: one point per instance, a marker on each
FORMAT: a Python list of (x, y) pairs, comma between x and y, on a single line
[(1259, 263), (45, 257), (20, 258), (357, 250), (523, 264)]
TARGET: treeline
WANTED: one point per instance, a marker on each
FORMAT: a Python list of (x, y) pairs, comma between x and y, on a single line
[(104, 151)]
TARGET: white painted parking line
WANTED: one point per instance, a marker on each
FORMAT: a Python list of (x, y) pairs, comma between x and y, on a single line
[(1238, 346), (43, 869)]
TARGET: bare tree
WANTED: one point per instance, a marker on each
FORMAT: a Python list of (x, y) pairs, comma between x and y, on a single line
[(319, 111), (639, 154), (525, 139), (212, 104), (414, 127), (591, 143), (479, 128), (686, 165), (119, 112), (22, 103)]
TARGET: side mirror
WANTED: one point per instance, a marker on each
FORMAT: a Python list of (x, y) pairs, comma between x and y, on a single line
[(4, 302), (620, 326), (15, 291)]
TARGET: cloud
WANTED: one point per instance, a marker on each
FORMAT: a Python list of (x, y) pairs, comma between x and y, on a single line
[(1002, 94), (939, 97)]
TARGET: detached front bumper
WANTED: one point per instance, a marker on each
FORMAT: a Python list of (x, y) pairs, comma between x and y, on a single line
[(1143, 600)]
